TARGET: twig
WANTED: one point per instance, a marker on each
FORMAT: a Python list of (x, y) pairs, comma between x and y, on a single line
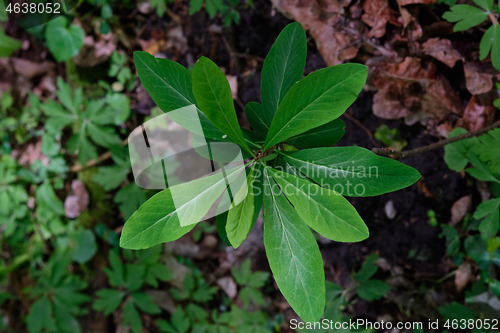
[(91, 163), (234, 54), (363, 127), (103, 157), (389, 152)]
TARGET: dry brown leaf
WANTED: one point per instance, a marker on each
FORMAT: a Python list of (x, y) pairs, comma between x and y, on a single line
[(377, 14), (94, 53), (30, 69), (406, 88), (442, 50), (476, 82), (459, 209), (462, 276), (477, 116), (228, 285), (326, 22), (233, 83), (78, 201), (32, 153)]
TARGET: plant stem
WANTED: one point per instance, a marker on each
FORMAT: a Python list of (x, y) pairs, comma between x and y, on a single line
[(389, 152)]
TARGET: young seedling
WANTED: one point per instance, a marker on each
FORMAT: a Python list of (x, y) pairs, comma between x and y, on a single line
[(299, 190)]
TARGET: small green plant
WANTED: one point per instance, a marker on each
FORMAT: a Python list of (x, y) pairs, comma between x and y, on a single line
[(477, 237), (299, 189), (127, 280), (63, 41), (58, 295), (119, 70), (481, 153), (228, 10), (390, 137), (468, 16), (194, 317), (367, 288), (7, 44), (89, 119)]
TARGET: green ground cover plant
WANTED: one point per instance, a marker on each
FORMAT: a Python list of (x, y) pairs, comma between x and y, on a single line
[(299, 190), (467, 16)]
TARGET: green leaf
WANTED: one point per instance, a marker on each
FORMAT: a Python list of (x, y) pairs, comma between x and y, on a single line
[(368, 269), (157, 221), (213, 94), (221, 221), (63, 42), (103, 136), (254, 112), (241, 217), (373, 289), (317, 99), (84, 245), (40, 317), (323, 136), (485, 4), (131, 317), (129, 198), (456, 310), (71, 99), (179, 322), (327, 212), (111, 177), (353, 171), (7, 44), (116, 274), (466, 16), (58, 116), (195, 6), (283, 67), (79, 144), (134, 276), (145, 303), (293, 255), (489, 211), (47, 201), (491, 41), (487, 149), (108, 300), (66, 322), (167, 82), (455, 153), (481, 170)]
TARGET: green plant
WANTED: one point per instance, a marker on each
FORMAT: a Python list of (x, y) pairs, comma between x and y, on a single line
[(312, 179), (118, 69), (194, 317), (468, 16), (250, 284), (89, 119), (338, 299), (7, 44), (367, 288), (127, 280), (477, 238), (63, 41), (390, 137), (58, 296), (228, 10)]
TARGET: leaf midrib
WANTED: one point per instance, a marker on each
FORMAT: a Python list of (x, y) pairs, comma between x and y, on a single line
[(321, 205), (294, 258), (175, 211), (221, 110), (308, 105), (165, 82)]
